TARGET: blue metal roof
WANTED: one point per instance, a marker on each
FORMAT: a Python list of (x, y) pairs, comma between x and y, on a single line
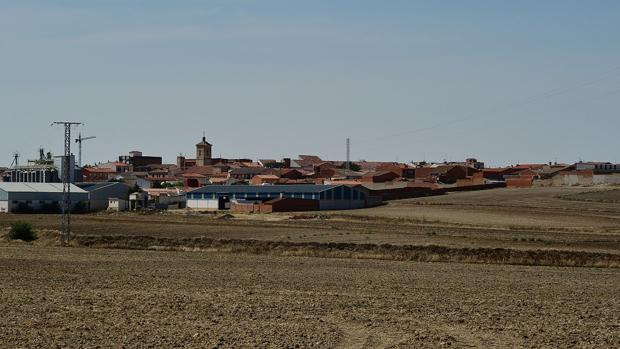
[(235, 189)]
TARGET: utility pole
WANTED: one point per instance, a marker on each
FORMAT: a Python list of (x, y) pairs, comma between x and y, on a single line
[(65, 225), (79, 141), (348, 164)]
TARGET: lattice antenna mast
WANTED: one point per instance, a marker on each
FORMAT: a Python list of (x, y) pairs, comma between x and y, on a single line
[(65, 225)]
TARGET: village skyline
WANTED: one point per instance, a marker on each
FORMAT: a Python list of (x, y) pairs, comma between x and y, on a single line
[(25, 157)]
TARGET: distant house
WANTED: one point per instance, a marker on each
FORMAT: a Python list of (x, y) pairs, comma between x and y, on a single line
[(529, 166), (476, 179), (117, 167), (401, 170), (598, 167), (291, 173), (198, 176), (166, 198), (159, 173), (324, 170), (138, 161), (248, 172), (380, 177), (264, 179), (138, 201), (498, 174), (521, 179), (97, 174), (194, 180), (448, 174), (307, 161)]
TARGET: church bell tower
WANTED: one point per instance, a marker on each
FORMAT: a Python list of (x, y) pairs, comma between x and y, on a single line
[(203, 153)]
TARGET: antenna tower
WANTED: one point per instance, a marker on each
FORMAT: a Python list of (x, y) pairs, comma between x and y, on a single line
[(348, 163)]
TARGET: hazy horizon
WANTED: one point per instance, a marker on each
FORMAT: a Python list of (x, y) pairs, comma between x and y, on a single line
[(510, 82)]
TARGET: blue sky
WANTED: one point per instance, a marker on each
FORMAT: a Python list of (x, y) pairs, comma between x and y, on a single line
[(505, 81)]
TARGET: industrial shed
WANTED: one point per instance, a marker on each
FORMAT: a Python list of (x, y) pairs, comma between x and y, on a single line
[(99, 194), (328, 197), (36, 196)]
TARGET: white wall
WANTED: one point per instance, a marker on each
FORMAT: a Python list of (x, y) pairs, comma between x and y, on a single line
[(4, 206), (118, 205), (606, 179), (203, 204)]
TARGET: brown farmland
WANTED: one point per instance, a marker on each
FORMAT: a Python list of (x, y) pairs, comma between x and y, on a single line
[(205, 280)]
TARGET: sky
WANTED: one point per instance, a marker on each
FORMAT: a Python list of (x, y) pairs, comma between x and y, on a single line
[(503, 81)]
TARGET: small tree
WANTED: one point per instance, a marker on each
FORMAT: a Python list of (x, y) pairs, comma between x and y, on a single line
[(22, 231), (353, 166)]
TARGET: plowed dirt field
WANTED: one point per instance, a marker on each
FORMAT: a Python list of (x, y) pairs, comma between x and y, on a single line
[(81, 297)]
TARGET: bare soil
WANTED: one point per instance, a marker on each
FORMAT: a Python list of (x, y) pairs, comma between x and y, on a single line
[(187, 279), (80, 297)]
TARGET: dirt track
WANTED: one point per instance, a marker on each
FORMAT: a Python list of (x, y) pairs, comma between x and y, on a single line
[(75, 297)]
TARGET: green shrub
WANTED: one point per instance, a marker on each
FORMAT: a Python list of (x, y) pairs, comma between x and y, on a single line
[(22, 231)]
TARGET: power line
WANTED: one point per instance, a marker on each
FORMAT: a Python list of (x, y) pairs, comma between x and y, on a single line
[(501, 108)]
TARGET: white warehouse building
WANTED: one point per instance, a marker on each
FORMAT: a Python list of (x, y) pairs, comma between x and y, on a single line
[(36, 196)]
